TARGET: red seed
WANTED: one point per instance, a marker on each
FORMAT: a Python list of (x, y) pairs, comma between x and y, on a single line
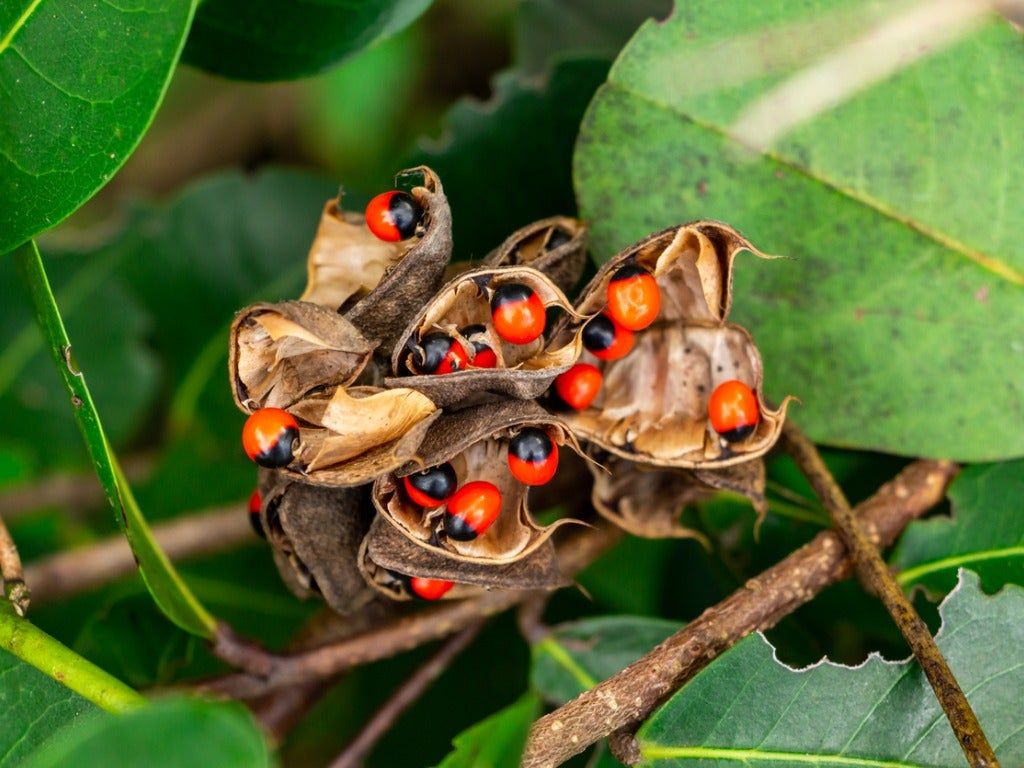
[(578, 386), (733, 410), (634, 299)]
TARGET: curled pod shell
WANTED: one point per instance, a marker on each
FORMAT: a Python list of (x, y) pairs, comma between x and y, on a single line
[(278, 353), (350, 436), (653, 403), (523, 371), (648, 501), (474, 441), (556, 246), (417, 271), (394, 584), (315, 533), (387, 548)]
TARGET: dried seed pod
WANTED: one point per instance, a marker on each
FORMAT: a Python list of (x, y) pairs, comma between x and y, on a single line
[(475, 442), (653, 403), (393, 583), (387, 548), (523, 371), (354, 435), (416, 274), (316, 533), (278, 353), (556, 246)]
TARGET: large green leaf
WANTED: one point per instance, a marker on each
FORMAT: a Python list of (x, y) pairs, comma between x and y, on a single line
[(283, 39), (79, 83), (897, 321), (175, 733), (747, 709), (985, 533), (496, 742), (577, 656)]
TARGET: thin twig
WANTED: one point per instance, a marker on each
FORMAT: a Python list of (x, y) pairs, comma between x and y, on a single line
[(404, 697), (266, 672), (627, 698), (11, 575), (530, 619), (79, 570), (879, 579)]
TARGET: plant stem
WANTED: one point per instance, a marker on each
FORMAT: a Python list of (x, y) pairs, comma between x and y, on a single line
[(35, 647), (12, 578), (862, 544), (163, 581), (627, 698)]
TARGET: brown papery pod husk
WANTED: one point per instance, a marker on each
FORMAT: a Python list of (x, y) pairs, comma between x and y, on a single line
[(415, 277), (346, 260), (556, 246), (474, 440), (392, 584), (524, 371), (315, 533), (391, 549), (652, 407), (278, 353), (356, 434)]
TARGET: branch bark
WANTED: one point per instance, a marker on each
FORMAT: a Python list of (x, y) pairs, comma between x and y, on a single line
[(627, 698), (69, 573), (11, 575), (879, 579)]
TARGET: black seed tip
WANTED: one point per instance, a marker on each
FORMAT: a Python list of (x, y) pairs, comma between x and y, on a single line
[(405, 213), (739, 433), (599, 333), (280, 454), (433, 348), (628, 271), (510, 292), (457, 528), (531, 445), (558, 238)]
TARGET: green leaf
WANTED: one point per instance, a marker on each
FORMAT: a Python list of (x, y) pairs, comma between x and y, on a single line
[(577, 656), (985, 533), (34, 706), (547, 29), (496, 742), (899, 208), (284, 39), (80, 83), (524, 134), (176, 733), (747, 709), (163, 581)]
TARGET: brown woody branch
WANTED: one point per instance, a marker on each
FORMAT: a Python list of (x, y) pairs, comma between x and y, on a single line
[(879, 580), (79, 570), (627, 698), (11, 576)]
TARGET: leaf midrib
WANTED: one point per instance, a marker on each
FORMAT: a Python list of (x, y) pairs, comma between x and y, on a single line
[(564, 659), (986, 262), (955, 561), (5, 43), (651, 752)]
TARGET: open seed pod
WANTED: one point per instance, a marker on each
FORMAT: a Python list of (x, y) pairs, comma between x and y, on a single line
[(474, 442), (315, 533), (417, 271), (278, 353), (353, 435), (388, 549), (648, 501), (556, 246), (462, 311), (653, 403)]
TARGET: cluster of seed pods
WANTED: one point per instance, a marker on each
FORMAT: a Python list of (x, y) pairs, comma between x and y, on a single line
[(405, 410)]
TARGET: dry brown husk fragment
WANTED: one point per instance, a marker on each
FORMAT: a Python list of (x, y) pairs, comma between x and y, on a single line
[(356, 434), (315, 533), (652, 407), (278, 353), (556, 246), (524, 370), (392, 550), (416, 274), (474, 441), (393, 584)]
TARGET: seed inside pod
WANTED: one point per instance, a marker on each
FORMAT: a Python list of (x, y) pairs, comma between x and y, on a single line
[(432, 487), (607, 340), (532, 456), (733, 410), (472, 510), (429, 589), (557, 238), (517, 312), (578, 386), (439, 353), (393, 216), (255, 502), (634, 298), (484, 355), (268, 437)]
